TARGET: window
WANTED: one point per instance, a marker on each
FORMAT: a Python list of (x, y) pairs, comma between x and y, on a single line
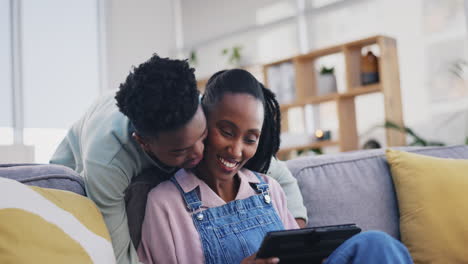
[(60, 68), (6, 106)]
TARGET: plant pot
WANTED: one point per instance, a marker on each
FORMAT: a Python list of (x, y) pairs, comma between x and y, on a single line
[(326, 84)]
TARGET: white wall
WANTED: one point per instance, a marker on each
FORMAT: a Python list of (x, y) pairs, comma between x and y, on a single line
[(405, 25), (16, 154), (403, 20), (136, 30), (208, 19)]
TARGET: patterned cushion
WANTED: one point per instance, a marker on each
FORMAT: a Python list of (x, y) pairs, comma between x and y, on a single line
[(40, 225)]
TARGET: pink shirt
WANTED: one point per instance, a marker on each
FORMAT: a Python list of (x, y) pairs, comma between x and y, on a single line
[(168, 233)]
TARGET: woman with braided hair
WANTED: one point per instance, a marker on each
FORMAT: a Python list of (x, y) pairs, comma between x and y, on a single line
[(220, 211)]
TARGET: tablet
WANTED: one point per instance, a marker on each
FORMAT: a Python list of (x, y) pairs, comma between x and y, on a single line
[(307, 245)]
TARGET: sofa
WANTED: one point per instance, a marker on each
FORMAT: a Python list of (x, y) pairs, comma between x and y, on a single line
[(56, 224), (356, 187), (45, 175), (352, 187)]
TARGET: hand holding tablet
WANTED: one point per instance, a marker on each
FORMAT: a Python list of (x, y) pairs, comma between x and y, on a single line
[(307, 245)]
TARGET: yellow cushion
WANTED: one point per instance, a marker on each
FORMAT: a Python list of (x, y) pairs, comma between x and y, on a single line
[(40, 225), (433, 200)]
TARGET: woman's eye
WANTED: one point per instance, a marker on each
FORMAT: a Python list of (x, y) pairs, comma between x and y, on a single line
[(226, 133), (251, 140)]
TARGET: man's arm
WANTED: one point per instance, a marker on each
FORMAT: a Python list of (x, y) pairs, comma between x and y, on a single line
[(105, 185), (63, 155), (283, 176)]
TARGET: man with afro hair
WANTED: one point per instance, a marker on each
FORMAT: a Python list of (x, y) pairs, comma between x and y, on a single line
[(138, 137)]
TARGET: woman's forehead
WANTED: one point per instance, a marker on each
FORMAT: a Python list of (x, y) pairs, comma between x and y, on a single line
[(238, 106)]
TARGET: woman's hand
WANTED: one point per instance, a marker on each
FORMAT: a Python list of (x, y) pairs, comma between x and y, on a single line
[(253, 260)]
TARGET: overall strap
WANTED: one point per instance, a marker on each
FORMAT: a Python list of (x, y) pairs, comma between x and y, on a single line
[(262, 187), (190, 198)]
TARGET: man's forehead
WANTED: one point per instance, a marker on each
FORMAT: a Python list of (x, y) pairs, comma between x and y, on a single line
[(174, 137), (186, 135)]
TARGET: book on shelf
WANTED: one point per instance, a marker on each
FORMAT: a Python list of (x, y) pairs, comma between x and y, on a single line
[(281, 80)]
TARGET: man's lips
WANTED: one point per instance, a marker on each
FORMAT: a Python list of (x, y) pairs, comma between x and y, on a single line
[(193, 163)]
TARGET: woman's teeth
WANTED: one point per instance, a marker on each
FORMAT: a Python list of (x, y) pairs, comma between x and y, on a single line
[(227, 163)]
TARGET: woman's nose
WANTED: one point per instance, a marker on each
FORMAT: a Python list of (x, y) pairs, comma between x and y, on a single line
[(235, 149)]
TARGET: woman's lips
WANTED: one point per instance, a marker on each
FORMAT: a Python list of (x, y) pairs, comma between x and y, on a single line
[(226, 164)]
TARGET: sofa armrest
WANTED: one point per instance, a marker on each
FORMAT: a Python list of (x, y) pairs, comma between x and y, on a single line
[(45, 175)]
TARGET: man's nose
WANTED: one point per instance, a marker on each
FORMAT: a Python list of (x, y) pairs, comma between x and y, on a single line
[(198, 150)]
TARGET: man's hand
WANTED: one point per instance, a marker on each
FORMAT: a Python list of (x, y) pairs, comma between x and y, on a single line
[(253, 260)]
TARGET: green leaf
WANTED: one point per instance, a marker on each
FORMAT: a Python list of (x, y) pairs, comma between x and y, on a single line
[(325, 70), (193, 57), (417, 140)]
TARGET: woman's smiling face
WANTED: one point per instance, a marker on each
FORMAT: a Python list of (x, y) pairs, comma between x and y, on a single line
[(234, 127)]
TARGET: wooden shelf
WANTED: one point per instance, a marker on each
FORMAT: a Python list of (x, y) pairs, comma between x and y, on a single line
[(365, 42), (278, 62), (368, 89), (311, 100), (317, 144), (306, 90), (201, 84), (361, 90), (320, 53)]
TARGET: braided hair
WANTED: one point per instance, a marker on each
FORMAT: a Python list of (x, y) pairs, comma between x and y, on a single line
[(241, 81)]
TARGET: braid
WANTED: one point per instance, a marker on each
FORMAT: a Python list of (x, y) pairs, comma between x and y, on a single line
[(270, 137), (274, 116)]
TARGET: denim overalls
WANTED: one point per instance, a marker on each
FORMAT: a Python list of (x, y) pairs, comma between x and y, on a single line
[(234, 231)]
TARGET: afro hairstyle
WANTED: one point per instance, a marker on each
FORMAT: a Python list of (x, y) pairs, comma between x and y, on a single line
[(159, 95)]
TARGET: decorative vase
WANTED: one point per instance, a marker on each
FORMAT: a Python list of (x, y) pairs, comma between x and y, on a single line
[(326, 84), (369, 69)]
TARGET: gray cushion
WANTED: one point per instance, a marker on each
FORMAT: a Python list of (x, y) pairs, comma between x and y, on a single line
[(356, 187), (45, 175)]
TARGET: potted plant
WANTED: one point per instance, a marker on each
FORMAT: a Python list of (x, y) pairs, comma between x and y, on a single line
[(326, 82), (193, 59), (416, 139), (234, 55)]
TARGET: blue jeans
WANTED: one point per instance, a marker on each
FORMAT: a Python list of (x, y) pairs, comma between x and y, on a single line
[(370, 247)]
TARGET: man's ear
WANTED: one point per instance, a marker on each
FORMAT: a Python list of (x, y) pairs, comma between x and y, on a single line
[(140, 141)]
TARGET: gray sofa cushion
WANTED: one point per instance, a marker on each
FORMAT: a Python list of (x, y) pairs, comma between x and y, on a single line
[(356, 187), (44, 175)]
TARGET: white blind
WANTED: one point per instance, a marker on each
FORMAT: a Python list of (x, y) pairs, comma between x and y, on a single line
[(60, 61), (5, 66)]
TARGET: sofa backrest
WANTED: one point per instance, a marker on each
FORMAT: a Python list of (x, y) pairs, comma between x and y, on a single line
[(45, 175), (356, 187)]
